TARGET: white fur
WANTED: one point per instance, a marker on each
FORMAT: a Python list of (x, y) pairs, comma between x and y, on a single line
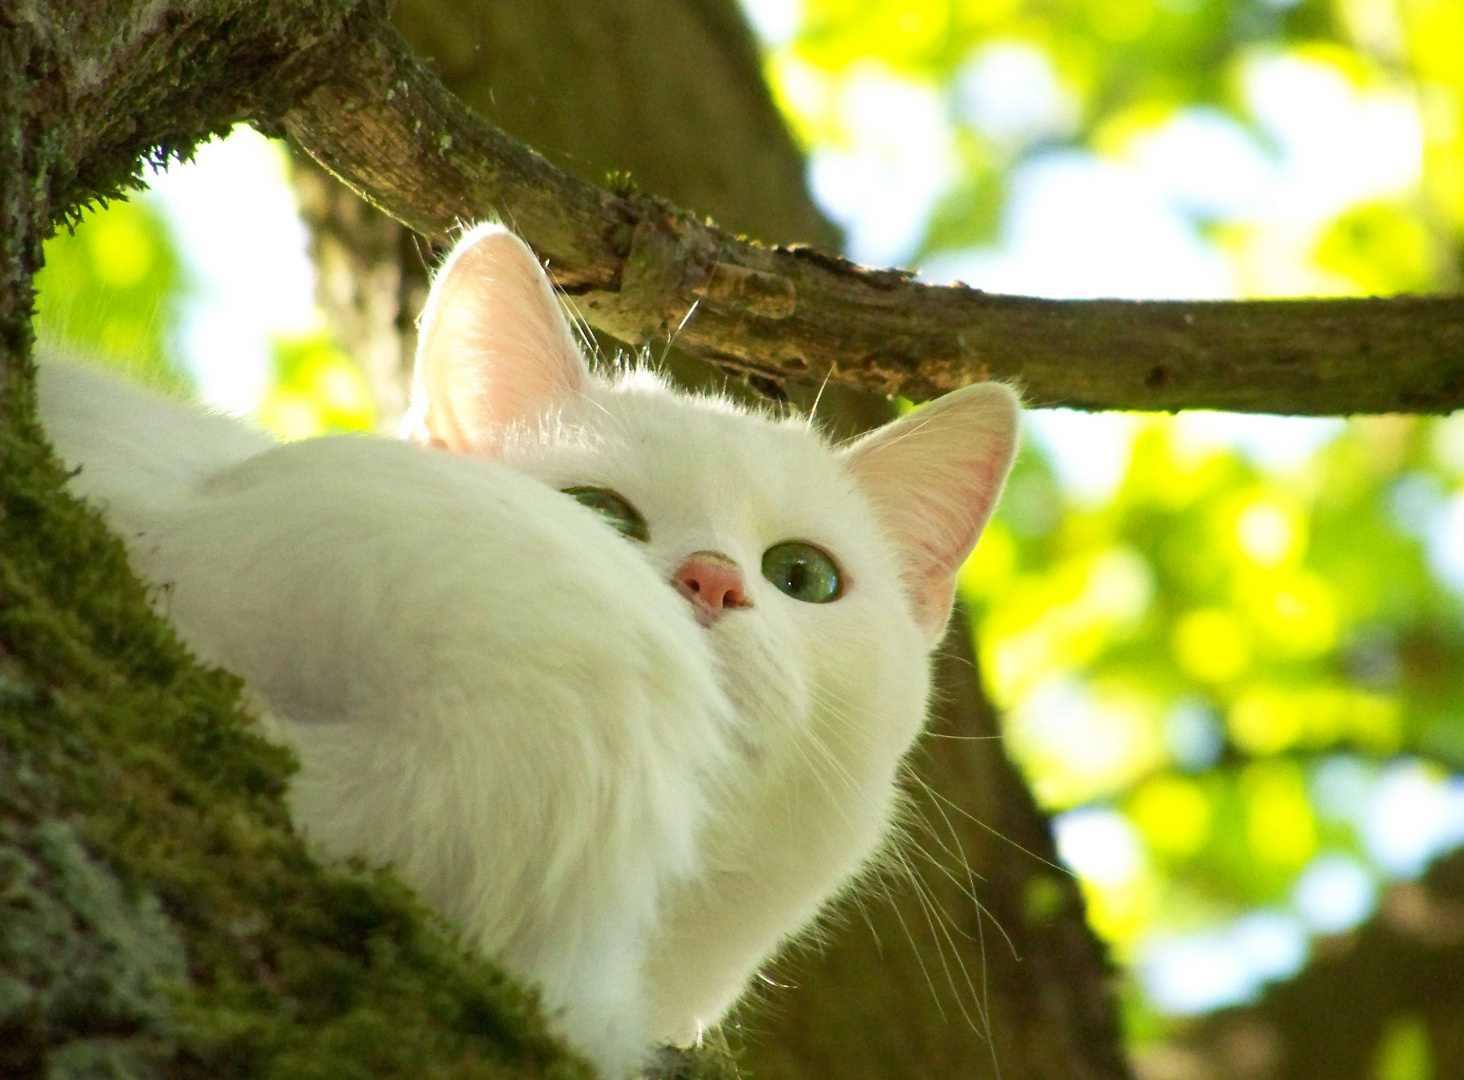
[(506, 700)]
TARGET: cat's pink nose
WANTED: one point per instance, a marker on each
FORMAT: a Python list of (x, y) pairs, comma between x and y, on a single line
[(712, 583)]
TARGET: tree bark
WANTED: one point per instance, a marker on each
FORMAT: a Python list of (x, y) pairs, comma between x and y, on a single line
[(640, 269)]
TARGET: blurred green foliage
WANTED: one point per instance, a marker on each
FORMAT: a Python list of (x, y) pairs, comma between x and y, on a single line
[(316, 388), (1291, 615), (112, 289), (1405, 1053), (1125, 67)]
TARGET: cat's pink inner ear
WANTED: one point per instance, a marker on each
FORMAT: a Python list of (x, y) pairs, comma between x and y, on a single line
[(494, 349), (934, 477)]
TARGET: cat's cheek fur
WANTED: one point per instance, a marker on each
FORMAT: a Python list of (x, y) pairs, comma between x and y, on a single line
[(808, 813), (829, 696)]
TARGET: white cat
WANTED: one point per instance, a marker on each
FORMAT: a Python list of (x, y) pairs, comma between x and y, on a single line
[(630, 738)]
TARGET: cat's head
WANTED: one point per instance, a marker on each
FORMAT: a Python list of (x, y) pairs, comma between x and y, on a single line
[(499, 372), (772, 533), (824, 575)]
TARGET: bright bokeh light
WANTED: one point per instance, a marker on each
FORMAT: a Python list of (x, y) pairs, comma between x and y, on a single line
[(1010, 92), (238, 231), (1077, 225), (1446, 544), (774, 21), (1088, 451), (890, 160), (1346, 136), (1335, 893), (1414, 814), (1100, 845), (1203, 971), (1273, 443), (1080, 744)]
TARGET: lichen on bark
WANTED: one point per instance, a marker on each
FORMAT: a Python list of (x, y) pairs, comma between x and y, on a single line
[(86, 964)]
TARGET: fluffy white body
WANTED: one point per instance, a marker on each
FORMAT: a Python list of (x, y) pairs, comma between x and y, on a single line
[(630, 794)]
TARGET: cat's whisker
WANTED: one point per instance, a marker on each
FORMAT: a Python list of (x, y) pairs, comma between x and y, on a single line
[(969, 888), (894, 906), (876, 880), (835, 771), (998, 834), (943, 927), (948, 926), (840, 771), (813, 409), (671, 337), (581, 326), (958, 852), (938, 920)]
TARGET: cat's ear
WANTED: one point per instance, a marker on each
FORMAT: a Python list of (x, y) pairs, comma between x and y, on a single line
[(934, 477), (494, 347)]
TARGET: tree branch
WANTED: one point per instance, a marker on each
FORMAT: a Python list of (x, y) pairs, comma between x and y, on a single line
[(636, 266)]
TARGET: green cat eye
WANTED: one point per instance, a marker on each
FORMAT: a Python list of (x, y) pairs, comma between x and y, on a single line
[(613, 509), (803, 571)]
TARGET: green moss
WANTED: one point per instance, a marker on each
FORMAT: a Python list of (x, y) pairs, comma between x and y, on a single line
[(158, 916)]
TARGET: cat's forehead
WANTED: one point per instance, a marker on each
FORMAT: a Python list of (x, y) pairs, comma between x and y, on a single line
[(700, 463), (708, 436)]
